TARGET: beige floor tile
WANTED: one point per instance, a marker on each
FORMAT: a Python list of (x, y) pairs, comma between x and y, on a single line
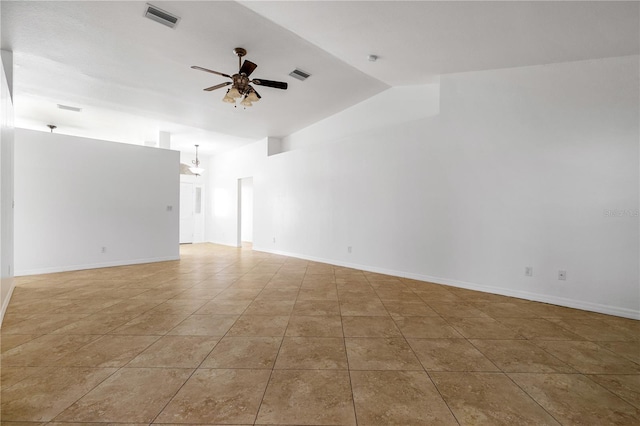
[(450, 355), (316, 307), (85, 306), (244, 352), (312, 353), (426, 328), (34, 306), (589, 358), (278, 294), (232, 293), (42, 323), (205, 325), (308, 397), (223, 307), (625, 386), (10, 341), (97, 323), (178, 307), (217, 396), (315, 293), (150, 324), (44, 350), (413, 308), (457, 310), (118, 309), (31, 399), (107, 351), (13, 319), (134, 395), (521, 356), (629, 350), (9, 376), (505, 310), (370, 327), (597, 330), (399, 398), (538, 329), (489, 399), (131, 306), (371, 307), (483, 328), (270, 307), (368, 353), (545, 310), (259, 326), (396, 295), (175, 352), (430, 296), (575, 399), (162, 294), (198, 294), (96, 424), (314, 326)]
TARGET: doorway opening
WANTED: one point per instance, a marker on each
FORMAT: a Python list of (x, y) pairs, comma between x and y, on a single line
[(191, 211), (245, 212)]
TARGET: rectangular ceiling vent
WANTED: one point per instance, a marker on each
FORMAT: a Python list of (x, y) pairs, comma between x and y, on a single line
[(299, 74), (161, 16), (69, 108)]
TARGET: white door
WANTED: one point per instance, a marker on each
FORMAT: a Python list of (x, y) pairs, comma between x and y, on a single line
[(186, 212)]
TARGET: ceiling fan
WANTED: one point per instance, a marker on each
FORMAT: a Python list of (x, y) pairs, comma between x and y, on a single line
[(241, 84)]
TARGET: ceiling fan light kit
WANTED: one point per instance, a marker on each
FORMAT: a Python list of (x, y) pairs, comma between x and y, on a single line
[(240, 82)]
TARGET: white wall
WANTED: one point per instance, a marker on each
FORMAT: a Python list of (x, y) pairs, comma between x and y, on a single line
[(6, 181), (535, 166), (75, 196)]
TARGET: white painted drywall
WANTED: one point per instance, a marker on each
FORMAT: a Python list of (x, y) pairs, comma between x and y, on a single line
[(76, 195), (534, 166), (6, 181)]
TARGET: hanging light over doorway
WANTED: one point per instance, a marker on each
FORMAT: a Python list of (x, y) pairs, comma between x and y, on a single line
[(196, 169)]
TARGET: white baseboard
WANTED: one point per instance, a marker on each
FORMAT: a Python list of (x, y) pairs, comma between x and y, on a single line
[(5, 302), (53, 269), (537, 297)]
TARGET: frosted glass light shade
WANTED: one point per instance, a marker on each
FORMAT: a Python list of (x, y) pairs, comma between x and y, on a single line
[(196, 170), (233, 93)]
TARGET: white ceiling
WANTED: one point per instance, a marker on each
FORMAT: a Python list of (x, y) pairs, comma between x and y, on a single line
[(132, 78)]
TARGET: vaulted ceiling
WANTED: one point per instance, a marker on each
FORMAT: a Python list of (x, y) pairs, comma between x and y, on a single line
[(132, 78)]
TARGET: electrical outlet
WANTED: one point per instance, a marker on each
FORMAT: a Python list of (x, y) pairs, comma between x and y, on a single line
[(169, 208), (349, 249), (274, 240), (528, 271), (104, 250), (562, 275)]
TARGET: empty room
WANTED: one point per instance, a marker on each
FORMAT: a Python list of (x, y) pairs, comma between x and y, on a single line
[(320, 213)]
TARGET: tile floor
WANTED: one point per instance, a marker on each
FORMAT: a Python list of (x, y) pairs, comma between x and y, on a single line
[(230, 336)]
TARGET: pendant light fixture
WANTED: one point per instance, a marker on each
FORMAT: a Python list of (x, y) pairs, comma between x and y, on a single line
[(196, 169)]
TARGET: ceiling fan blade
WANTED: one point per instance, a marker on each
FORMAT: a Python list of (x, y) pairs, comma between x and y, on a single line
[(217, 86), (247, 68), (269, 83), (195, 67)]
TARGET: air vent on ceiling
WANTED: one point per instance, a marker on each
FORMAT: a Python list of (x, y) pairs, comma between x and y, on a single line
[(69, 108), (299, 74), (161, 16)]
